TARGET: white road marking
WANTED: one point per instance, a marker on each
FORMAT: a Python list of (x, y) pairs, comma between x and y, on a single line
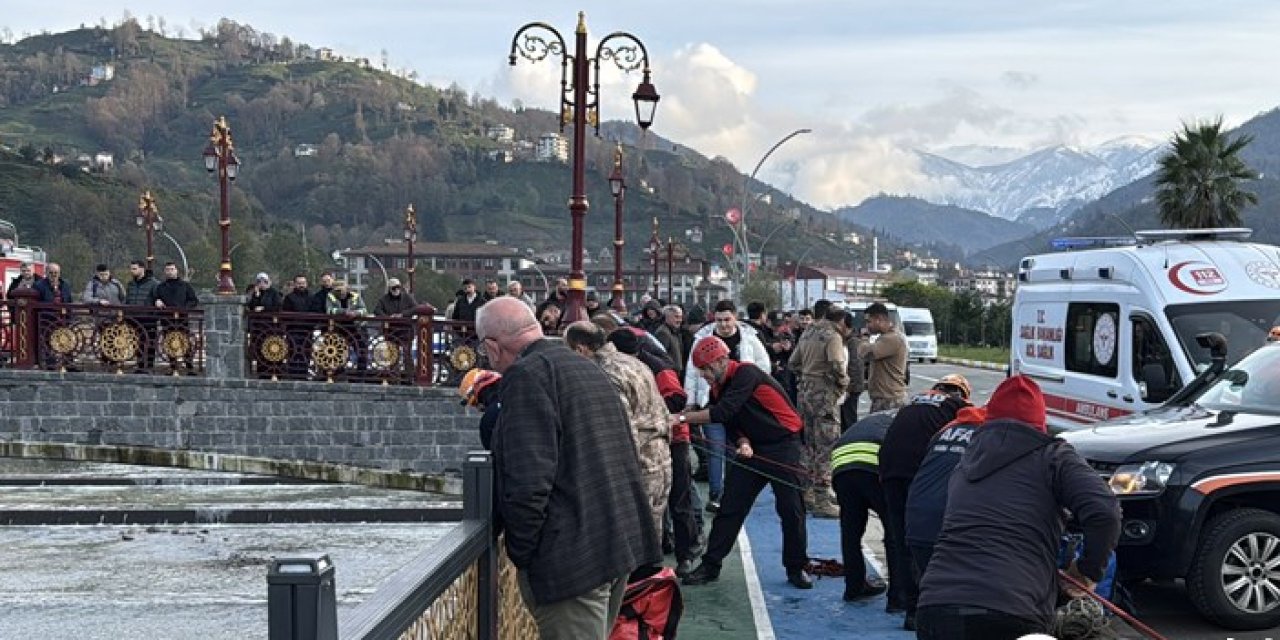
[(916, 375), (759, 611)]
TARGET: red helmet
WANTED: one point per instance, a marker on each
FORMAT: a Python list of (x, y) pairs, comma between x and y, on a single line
[(708, 350)]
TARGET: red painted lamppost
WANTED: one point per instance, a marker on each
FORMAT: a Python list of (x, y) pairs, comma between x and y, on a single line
[(220, 156), (149, 219), (410, 235), (618, 186), (580, 105), (654, 247)]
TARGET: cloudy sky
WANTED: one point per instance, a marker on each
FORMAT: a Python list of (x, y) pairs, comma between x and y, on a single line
[(874, 79)]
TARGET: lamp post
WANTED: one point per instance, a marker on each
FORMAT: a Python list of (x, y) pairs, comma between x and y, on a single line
[(410, 234), (746, 186), (654, 247), (220, 156), (149, 219), (579, 104), (618, 186)]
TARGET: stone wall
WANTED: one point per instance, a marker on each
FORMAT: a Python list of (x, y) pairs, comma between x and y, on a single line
[(387, 427)]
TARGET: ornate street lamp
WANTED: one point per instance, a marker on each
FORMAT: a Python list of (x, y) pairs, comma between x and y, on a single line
[(149, 219), (579, 104), (410, 235), (618, 186), (220, 156), (654, 247)]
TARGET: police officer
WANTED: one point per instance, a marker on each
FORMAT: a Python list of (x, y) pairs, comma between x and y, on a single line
[(765, 431)]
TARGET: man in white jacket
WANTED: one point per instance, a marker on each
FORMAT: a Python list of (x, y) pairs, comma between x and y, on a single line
[(744, 346)]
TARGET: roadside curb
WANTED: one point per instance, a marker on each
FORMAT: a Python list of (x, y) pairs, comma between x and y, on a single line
[(975, 364)]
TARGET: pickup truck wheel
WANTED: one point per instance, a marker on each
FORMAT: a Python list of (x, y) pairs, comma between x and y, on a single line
[(1235, 575)]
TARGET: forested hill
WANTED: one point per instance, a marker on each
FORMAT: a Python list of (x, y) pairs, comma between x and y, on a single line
[(378, 140)]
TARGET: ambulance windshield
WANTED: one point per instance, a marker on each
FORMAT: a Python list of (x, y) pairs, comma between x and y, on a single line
[(1243, 323)]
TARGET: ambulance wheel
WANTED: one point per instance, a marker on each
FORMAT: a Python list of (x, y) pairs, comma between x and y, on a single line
[(1235, 576)]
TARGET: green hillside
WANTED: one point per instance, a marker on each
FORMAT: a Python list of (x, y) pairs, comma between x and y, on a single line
[(382, 141)]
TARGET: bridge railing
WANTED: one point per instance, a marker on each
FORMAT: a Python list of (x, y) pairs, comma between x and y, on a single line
[(462, 588), (105, 338), (419, 349)]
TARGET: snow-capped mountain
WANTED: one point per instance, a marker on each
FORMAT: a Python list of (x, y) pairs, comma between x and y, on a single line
[(1059, 178)]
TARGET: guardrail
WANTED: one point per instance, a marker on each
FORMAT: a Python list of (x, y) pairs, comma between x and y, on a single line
[(105, 338), (366, 349), (463, 587)]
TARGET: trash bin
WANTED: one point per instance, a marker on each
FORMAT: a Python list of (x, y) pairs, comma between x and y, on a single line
[(300, 599)]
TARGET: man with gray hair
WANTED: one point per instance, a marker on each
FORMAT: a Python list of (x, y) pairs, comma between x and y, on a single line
[(569, 487), (516, 290), (650, 420)]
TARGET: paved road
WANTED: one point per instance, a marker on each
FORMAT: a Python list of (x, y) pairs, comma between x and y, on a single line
[(1164, 607)]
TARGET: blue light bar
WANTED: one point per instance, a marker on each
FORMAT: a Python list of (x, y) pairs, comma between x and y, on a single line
[(1088, 243)]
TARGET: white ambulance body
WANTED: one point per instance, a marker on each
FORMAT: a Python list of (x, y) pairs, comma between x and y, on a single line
[(917, 326), (1111, 331)]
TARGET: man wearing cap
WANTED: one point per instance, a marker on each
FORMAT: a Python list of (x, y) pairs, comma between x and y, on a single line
[(468, 300), (396, 301), (905, 444), (993, 570), (263, 296), (765, 431)]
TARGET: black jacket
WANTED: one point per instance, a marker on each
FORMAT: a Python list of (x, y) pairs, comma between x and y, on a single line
[(13, 284), (389, 305), (859, 445), (927, 497), (298, 302), (569, 487), (999, 544), (752, 405), (177, 294), (908, 438), (320, 299), (466, 311), (141, 292), (269, 300)]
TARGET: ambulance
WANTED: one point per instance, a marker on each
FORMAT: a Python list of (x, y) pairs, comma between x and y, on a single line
[(1108, 328)]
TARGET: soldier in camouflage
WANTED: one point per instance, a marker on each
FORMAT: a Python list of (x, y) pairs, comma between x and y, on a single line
[(820, 361), (650, 420)]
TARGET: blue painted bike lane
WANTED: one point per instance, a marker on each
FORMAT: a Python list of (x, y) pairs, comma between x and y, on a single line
[(821, 612)]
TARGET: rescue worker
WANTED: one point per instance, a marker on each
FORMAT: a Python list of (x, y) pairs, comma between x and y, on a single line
[(820, 361), (927, 497), (904, 447), (887, 380), (648, 415), (993, 571), (855, 474), (766, 432)]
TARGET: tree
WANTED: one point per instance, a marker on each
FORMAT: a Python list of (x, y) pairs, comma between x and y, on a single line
[(764, 287), (1198, 183)]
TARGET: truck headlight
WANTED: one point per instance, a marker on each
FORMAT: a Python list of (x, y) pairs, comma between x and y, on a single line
[(1141, 479)]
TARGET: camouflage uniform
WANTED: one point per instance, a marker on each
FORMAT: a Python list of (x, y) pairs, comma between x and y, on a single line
[(650, 424), (820, 360)]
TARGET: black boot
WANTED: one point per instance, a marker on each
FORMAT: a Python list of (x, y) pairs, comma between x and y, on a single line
[(799, 579), (703, 574)]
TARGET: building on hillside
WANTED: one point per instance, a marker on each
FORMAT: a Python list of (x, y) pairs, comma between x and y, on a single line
[(805, 286), (463, 260), (993, 285), (501, 155), (501, 133), (305, 151), (103, 161), (323, 53), (98, 74), (552, 147)]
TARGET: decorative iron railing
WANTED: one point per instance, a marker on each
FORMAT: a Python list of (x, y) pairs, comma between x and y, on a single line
[(104, 338), (366, 349)]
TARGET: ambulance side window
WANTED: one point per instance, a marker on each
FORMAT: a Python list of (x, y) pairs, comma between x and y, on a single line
[(1092, 339), (1153, 365)]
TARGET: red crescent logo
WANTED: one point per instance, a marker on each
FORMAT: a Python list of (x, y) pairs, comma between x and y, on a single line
[(1212, 282)]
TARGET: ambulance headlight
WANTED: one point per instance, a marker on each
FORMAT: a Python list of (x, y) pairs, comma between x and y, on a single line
[(1141, 479)]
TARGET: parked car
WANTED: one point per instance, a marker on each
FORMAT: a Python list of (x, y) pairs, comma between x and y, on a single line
[(1199, 483)]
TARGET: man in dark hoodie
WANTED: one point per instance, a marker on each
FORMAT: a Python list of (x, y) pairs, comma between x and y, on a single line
[(993, 571), (654, 321), (904, 447)]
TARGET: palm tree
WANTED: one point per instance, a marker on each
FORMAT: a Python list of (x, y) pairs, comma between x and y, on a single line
[(1198, 183)]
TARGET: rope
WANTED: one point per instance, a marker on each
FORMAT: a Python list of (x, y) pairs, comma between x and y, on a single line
[(734, 461), (1124, 615)]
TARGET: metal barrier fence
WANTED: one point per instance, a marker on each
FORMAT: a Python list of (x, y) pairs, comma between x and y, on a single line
[(381, 350), (463, 588), (89, 337)]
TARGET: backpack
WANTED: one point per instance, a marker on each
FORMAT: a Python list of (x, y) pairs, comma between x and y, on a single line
[(651, 608)]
